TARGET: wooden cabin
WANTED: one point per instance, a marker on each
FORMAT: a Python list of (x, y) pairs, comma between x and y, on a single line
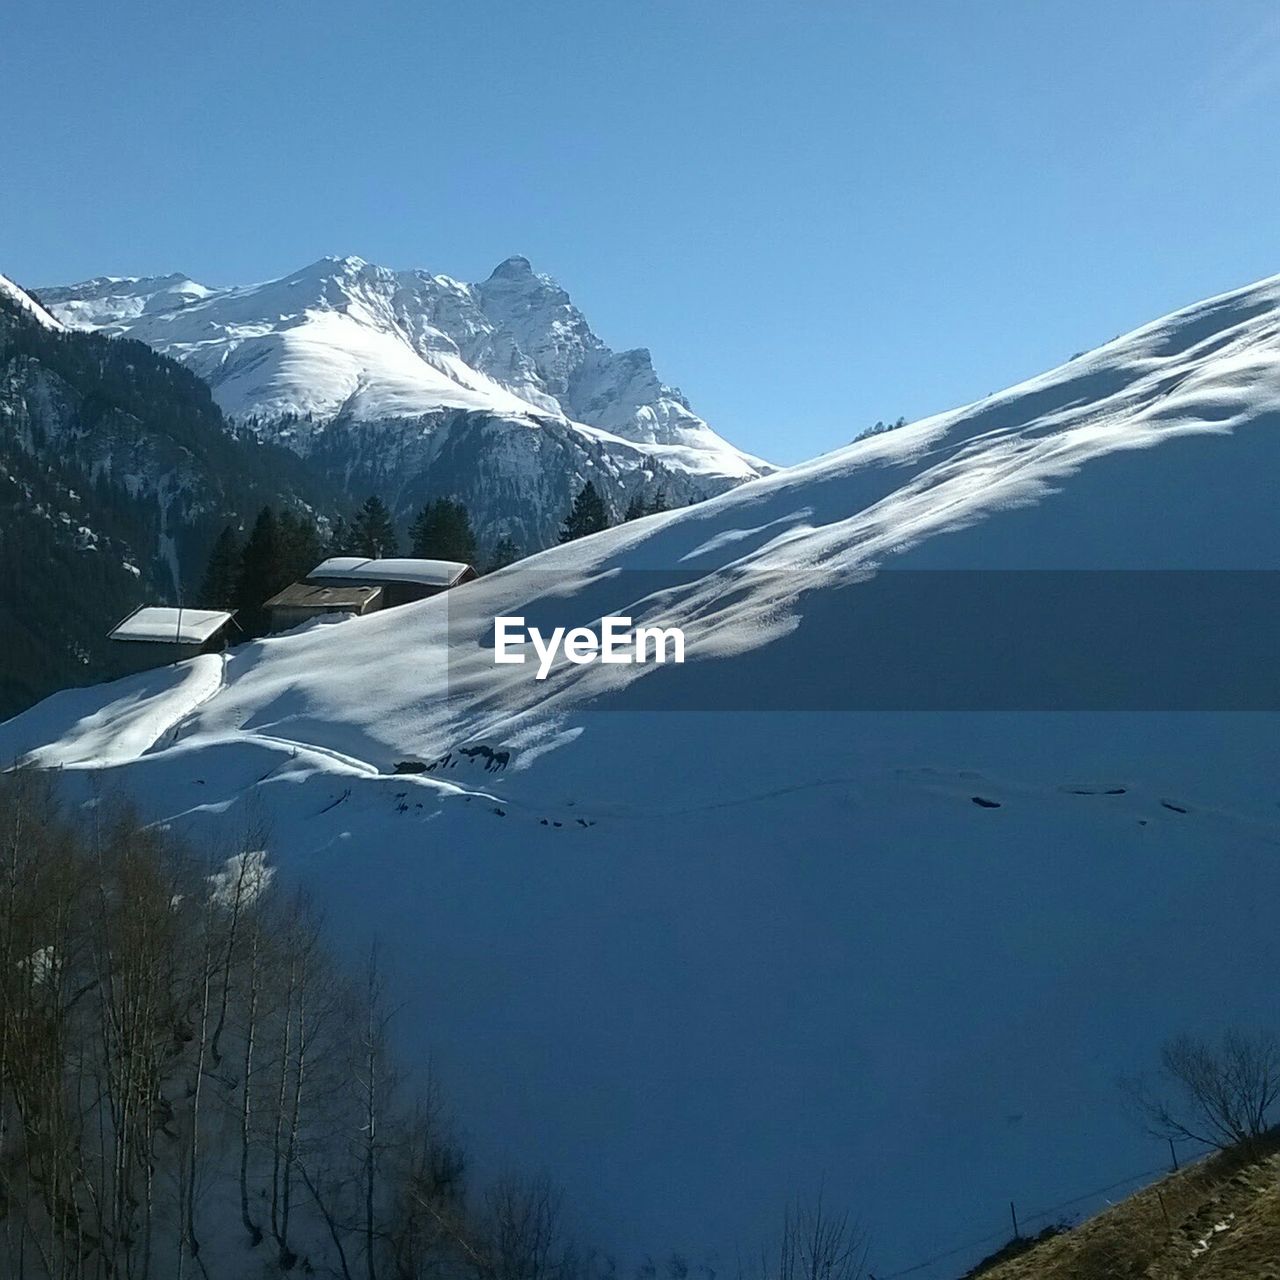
[(303, 601), (354, 585), (403, 580), (156, 635)]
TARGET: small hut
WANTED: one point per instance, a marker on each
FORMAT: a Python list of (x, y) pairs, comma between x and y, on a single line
[(303, 601), (156, 635)]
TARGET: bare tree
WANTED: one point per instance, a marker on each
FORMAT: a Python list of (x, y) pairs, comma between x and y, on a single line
[(204, 982), (816, 1244), (430, 1233), (166, 1032), (1218, 1093), (521, 1230), (252, 1000), (142, 1020)]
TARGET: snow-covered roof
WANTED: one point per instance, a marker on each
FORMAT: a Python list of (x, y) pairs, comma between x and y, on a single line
[(159, 624), (312, 595), (427, 573)]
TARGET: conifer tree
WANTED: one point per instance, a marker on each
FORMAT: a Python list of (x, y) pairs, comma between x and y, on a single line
[(340, 541), (442, 531), (589, 514), (222, 576), (642, 506), (301, 548), (373, 533), (280, 549), (504, 553), (259, 569)]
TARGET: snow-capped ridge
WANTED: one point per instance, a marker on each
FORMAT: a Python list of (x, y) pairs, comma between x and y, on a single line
[(359, 364), (512, 344), (23, 299)]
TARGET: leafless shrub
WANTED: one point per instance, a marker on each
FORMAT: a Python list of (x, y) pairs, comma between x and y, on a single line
[(1216, 1093), (816, 1244), (521, 1227)]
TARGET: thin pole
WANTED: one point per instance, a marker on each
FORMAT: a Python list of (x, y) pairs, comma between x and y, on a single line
[(1013, 1213)]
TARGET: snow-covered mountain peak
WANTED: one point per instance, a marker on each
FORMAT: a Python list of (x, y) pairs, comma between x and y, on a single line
[(515, 267), (112, 301), (407, 343), (515, 292), (367, 365), (349, 272)]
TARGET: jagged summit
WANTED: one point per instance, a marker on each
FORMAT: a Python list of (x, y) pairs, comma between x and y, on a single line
[(516, 265), (365, 364), (330, 264), (518, 329)]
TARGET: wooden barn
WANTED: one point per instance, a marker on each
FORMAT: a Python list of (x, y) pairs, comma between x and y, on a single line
[(156, 635), (354, 585), (303, 601)]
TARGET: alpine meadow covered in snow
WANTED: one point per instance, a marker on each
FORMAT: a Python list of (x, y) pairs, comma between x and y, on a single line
[(463, 817)]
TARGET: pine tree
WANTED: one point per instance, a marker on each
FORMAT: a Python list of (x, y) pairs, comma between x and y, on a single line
[(222, 576), (258, 560), (301, 548), (589, 515), (442, 531), (340, 541), (373, 533), (260, 572), (642, 506), (504, 553)]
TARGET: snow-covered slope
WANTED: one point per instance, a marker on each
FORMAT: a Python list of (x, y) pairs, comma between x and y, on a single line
[(20, 298), (344, 345), (696, 961)]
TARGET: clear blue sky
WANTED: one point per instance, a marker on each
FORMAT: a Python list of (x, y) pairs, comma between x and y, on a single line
[(815, 214)]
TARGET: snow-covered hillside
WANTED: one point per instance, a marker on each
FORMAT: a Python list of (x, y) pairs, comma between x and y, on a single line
[(23, 300), (116, 474), (347, 361), (694, 962)]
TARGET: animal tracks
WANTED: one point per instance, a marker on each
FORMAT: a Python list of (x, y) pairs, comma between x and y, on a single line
[(964, 784), (491, 760)]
